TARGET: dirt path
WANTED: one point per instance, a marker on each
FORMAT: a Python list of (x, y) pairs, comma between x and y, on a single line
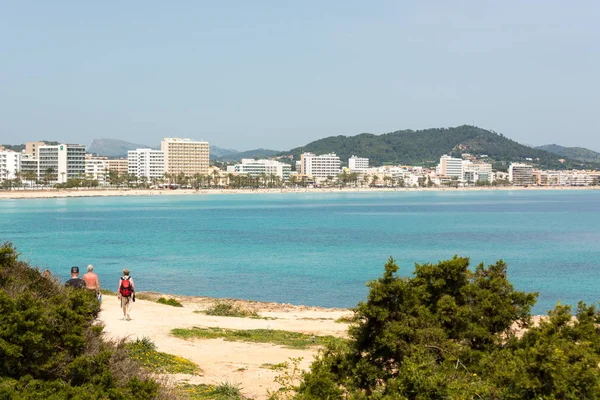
[(234, 362)]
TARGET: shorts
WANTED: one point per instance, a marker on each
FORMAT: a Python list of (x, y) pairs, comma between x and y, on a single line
[(125, 301)]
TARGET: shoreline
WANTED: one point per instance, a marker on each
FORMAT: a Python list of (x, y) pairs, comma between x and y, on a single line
[(76, 193)]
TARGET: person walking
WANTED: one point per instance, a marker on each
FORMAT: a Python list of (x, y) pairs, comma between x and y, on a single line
[(91, 281), (75, 280), (126, 293)]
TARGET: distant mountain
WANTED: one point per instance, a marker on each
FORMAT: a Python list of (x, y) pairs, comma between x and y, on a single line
[(575, 153), (113, 147), (218, 152), (257, 153), (424, 147), (118, 148)]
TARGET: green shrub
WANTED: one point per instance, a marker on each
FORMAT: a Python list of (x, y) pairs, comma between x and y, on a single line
[(50, 347), (144, 351), (169, 302), (290, 339), (228, 309), (449, 333)]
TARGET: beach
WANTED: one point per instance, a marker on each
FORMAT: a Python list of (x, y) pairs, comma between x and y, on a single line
[(241, 363), (83, 192)]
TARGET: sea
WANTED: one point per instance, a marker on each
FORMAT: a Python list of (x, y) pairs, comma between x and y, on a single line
[(317, 249)]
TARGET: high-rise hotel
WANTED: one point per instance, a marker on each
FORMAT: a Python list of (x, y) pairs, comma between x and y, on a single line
[(185, 155)]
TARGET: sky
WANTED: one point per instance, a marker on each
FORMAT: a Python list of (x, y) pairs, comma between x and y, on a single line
[(280, 74)]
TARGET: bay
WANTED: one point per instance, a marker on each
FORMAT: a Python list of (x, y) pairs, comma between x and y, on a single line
[(313, 248)]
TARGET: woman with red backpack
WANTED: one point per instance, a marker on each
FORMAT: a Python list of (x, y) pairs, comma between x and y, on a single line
[(126, 293)]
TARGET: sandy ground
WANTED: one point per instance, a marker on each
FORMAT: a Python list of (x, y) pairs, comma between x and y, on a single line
[(234, 362), (58, 193)]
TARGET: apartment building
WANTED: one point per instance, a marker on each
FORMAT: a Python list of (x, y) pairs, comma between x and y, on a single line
[(322, 166), (358, 163), (119, 165), (29, 167), (474, 172), (31, 148), (96, 168), (521, 174), (61, 162), (146, 163), (253, 167), (185, 155), (450, 166), (10, 164)]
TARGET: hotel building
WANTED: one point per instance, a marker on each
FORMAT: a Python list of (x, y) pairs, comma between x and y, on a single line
[(10, 164), (253, 167), (66, 161), (185, 155), (322, 166), (358, 163), (521, 174), (146, 163), (96, 168), (119, 165), (29, 164), (451, 167), (31, 148)]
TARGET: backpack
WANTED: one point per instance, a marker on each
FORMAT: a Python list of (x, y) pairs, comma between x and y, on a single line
[(126, 289)]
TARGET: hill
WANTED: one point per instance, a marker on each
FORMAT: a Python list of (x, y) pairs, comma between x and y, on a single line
[(575, 153), (113, 147), (218, 152), (256, 153), (424, 147), (118, 148)]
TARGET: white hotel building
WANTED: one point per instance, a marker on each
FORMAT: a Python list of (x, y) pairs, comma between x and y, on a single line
[(96, 168), (322, 166), (10, 162), (359, 164), (253, 167), (450, 167), (146, 163), (67, 161)]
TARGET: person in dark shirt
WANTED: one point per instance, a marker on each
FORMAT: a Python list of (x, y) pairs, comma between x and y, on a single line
[(75, 281)]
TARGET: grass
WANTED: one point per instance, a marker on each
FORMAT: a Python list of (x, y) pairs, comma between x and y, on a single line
[(144, 351), (293, 340), (228, 309), (274, 367), (144, 296), (223, 391), (169, 302), (345, 319), (108, 292)]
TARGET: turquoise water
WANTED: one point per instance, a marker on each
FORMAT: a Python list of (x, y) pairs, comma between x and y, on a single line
[(313, 249)]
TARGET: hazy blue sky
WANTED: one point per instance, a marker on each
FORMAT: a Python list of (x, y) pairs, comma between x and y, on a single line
[(279, 74)]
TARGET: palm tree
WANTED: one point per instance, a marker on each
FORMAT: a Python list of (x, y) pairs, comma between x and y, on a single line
[(374, 180), (49, 175), (217, 177), (30, 176)]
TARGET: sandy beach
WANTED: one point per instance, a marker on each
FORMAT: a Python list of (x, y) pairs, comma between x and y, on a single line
[(82, 192), (221, 361)]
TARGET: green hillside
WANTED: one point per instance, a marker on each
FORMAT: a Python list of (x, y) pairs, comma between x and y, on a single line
[(575, 153), (257, 153), (424, 147)]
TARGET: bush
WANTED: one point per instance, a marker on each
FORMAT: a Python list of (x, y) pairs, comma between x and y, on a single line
[(144, 351), (169, 302), (450, 332), (228, 309), (49, 346)]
